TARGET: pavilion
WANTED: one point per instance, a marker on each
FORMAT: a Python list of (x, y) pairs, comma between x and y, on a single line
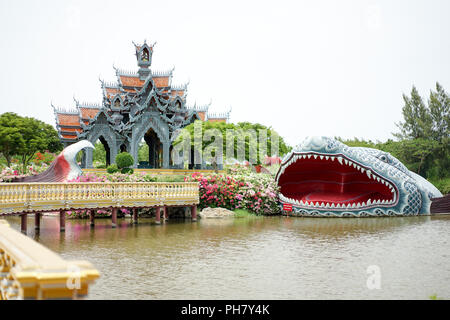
[(142, 105)]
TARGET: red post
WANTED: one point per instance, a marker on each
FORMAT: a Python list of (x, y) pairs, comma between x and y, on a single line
[(37, 220), (194, 213), (114, 217), (166, 213), (92, 217), (62, 220), (158, 215), (135, 215), (23, 223)]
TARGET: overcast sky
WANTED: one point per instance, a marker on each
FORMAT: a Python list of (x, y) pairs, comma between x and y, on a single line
[(335, 68)]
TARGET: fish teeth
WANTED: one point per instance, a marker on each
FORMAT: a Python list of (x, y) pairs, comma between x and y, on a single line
[(315, 156), (332, 205), (345, 161), (321, 157), (339, 159), (332, 158), (338, 206), (309, 156), (327, 205), (349, 206), (358, 205), (369, 202), (322, 205), (368, 172), (327, 157)]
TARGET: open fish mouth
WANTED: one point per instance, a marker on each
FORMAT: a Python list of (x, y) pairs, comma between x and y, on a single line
[(333, 181)]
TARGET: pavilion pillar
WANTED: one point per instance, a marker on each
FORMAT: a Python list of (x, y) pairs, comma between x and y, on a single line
[(158, 215), (92, 217), (166, 154), (88, 157), (166, 213), (62, 220), (194, 213), (114, 217), (37, 220), (23, 223), (135, 215)]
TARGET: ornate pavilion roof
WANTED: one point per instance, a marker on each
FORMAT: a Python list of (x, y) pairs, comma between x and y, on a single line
[(126, 98)]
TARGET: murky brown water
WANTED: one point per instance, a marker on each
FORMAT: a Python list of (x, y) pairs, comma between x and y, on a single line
[(259, 258)]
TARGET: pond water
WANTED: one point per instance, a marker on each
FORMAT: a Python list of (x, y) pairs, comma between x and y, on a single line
[(258, 257)]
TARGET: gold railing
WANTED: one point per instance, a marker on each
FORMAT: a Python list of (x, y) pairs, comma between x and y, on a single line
[(29, 270), (37, 197)]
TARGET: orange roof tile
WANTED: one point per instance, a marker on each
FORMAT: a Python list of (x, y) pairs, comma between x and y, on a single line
[(128, 81), (178, 93), (68, 119), (71, 129), (112, 91), (217, 120), (88, 113), (68, 137), (161, 82), (201, 114)]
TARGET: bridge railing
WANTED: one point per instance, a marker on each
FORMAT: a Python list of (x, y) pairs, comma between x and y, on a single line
[(38, 197), (29, 270)]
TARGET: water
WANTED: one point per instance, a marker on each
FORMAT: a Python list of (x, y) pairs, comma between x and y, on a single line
[(258, 258)]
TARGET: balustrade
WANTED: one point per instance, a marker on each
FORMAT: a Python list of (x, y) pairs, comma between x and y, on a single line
[(38, 197), (29, 270)]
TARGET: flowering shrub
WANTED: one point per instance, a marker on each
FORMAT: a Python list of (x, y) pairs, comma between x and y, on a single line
[(43, 158), (15, 171), (243, 190), (240, 188)]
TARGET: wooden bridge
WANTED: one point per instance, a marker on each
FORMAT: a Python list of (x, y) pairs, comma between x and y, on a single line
[(35, 198)]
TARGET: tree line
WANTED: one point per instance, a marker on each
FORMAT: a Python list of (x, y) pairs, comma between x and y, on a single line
[(24, 136), (423, 140)]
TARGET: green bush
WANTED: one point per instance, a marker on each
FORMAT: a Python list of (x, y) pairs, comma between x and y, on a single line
[(127, 170), (112, 168), (101, 166), (124, 160)]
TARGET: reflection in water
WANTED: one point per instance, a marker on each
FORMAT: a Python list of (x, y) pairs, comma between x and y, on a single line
[(258, 258)]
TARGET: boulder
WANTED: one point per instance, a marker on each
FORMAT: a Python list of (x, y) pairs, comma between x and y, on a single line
[(210, 213)]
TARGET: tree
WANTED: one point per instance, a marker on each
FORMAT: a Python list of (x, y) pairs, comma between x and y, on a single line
[(417, 119), (24, 136), (10, 136), (439, 105), (124, 161), (241, 133), (99, 153)]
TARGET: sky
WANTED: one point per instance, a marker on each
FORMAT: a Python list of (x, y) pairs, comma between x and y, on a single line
[(333, 68)]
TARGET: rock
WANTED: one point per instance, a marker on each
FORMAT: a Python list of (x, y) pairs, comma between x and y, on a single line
[(209, 213)]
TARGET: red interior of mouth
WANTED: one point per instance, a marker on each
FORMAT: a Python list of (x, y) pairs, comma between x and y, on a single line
[(330, 182)]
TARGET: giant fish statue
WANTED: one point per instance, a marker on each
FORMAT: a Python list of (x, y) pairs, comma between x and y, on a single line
[(324, 177), (63, 168)]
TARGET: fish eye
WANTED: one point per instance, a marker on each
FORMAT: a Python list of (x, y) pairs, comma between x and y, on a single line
[(383, 158)]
